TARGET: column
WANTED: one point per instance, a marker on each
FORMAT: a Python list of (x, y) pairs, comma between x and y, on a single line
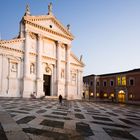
[(26, 56), (54, 81), (4, 75), (67, 71), (58, 63), (26, 65), (39, 57), (39, 76)]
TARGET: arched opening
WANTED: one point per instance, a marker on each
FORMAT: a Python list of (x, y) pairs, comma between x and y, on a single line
[(47, 77), (121, 96)]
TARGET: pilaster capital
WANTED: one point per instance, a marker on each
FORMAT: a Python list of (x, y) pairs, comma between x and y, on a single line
[(27, 31), (68, 46), (39, 36), (58, 43)]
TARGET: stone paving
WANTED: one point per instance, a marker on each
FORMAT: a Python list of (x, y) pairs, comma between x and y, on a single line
[(34, 119)]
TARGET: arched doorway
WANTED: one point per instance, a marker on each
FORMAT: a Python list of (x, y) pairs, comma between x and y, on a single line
[(121, 96), (47, 78)]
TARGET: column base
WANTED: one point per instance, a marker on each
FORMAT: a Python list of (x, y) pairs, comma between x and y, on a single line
[(27, 89), (39, 88)]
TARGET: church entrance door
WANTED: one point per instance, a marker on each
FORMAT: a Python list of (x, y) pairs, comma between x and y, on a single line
[(121, 96), (47, 81)]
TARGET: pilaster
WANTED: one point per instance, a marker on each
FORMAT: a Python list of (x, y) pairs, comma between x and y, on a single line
[(39, 82), (58, 63), (67, 70), (26, 72), (39, 57), (26, 55)]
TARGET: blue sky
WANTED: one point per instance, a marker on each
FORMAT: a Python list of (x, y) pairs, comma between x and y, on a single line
[(107, 32)]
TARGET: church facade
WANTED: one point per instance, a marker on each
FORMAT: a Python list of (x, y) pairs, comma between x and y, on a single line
[(40, 61)]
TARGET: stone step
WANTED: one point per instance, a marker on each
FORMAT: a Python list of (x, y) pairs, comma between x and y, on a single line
[(51, 97)]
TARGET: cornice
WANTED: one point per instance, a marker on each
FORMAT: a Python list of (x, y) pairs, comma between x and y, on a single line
[(51, 58), (12, 41), (63, 61), (11, 49), (82, 64), (48, 30), (32, 53), (76, 64)]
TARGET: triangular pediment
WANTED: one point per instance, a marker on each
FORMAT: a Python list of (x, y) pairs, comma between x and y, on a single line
[(50, 22), (74, 60)]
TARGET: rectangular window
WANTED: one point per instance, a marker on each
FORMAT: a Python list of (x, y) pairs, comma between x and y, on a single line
[(97, 83), (111, 83), (131, 82), (119, 81), (104, 83), (91, 83), (124, 81)]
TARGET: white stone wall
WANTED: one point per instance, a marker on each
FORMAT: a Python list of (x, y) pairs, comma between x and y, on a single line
[(23, 63)]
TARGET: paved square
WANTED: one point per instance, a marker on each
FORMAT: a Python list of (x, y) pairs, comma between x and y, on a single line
[(35, 119)]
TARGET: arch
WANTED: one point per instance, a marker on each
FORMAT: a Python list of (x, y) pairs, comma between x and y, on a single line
[(121, 96)]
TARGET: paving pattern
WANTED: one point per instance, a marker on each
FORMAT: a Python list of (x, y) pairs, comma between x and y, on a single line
[(34, 119)]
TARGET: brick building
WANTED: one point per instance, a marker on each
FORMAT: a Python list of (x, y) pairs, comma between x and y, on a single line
[(119, 87)]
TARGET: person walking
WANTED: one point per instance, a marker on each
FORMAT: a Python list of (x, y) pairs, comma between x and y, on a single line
[(60, 99)]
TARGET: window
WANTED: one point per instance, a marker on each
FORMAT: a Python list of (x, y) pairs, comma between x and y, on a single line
[(124, 81), (131, 82), (119, 81), (105, 94), (104, 83), (112, 94), (111, 83), (97, 83), (97, 94), (91, 83)]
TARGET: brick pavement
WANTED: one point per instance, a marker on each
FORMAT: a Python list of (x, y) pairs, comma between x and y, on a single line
[(34, 119)]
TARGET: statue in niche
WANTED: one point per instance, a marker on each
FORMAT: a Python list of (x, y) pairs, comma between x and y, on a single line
[(14, 67), (62, 73), (32, 68)]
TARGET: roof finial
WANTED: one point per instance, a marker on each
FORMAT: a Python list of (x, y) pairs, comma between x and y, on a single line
[(81, 58), (27, 10), (50, 9), (68, 27)]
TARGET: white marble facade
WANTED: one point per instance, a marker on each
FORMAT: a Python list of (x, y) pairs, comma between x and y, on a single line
[(40, 60)]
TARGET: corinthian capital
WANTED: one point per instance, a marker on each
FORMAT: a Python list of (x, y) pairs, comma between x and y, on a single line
[(39, 36), (58, 43)]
